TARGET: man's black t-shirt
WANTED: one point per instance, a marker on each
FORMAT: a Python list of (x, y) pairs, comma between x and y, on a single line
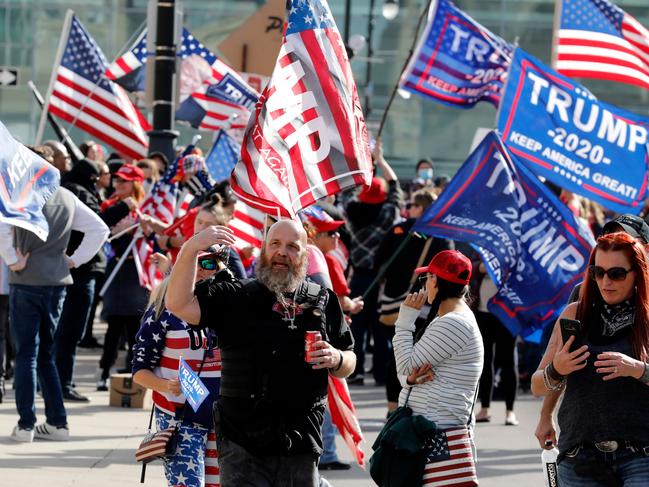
[(265, 353)]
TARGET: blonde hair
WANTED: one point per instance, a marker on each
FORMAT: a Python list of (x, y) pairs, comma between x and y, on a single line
[(157, 298), (138, 191)]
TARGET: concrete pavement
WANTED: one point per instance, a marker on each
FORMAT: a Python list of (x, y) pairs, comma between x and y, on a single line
[(103, 439)]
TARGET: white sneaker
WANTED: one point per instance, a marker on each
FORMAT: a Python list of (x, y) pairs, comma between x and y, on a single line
[(22, 435), (46, 431)]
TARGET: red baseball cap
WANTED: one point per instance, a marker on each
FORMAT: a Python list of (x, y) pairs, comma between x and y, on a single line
[(129, 172), (325, 224), (450, 265), (375, 193)]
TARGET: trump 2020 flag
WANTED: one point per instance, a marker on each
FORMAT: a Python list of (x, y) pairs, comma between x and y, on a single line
[(458, 62), (597, 39), (307, 138), (223, 157), (191, 384), (534, 249), (26, 183), (212, 94), (563, 133)]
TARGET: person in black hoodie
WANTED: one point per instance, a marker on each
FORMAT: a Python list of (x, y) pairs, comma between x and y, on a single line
[(80, 180), (399, 278)]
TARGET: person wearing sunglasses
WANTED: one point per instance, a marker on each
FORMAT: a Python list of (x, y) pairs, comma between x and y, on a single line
[(635, 226), (604, 416), (161, 340)]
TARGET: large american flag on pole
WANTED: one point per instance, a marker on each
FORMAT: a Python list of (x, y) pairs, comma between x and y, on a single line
[(212, 94), (599, 40), (80, 94), (307, 138)]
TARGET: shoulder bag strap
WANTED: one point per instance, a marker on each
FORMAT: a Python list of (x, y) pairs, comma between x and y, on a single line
[(475, 398)]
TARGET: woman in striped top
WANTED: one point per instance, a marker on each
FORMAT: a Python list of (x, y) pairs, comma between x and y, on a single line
[(164, 338), (450, 350)]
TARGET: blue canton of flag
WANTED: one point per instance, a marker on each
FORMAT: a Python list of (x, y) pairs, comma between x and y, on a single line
[(534, 248), (223, 157), (26, 183), (599, 40), (458, 62), (83, 56), (191, 384), (308, 15)]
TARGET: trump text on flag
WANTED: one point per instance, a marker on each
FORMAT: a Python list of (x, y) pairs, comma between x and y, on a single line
[(533, 247), (567, 135)]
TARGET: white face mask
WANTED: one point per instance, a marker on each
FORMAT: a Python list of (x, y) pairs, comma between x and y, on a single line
[(425, 173)]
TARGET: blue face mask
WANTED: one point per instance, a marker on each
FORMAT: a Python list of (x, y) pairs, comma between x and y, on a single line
[(425, 173)]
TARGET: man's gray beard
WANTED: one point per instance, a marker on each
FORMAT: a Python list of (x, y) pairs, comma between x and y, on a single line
[(280, 283)]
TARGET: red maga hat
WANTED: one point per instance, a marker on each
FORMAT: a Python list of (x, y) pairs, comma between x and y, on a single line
[(450, 265), (129, 172)]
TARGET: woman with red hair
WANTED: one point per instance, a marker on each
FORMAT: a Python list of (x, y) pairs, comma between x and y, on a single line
[(604, 416)]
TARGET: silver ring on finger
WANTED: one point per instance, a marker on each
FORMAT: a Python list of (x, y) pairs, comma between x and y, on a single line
[(615, 370)]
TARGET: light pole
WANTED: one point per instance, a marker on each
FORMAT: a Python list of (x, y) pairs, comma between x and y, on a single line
[(390, 10)]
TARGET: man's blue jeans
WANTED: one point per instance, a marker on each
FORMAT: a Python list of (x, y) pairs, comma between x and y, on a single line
[(34, 315), (329, 454), (76, 308)]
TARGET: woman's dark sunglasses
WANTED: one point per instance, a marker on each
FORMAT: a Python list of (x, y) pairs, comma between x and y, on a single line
[(614, 273), (208, 264), (410, 205)]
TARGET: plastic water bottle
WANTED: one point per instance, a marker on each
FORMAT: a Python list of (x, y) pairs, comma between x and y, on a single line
[(549, 461)]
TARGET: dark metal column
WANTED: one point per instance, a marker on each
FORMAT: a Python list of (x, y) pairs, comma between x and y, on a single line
[(162, 137)]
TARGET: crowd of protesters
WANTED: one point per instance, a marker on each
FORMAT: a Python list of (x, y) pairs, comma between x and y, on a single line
[(357, 246)]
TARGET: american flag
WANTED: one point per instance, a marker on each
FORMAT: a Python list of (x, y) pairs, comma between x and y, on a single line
[(307, 138), (248, 226), (599, 40), (223, 157), (212, 93), (81, 95), (343, 415), (160, 204), (459, 469)]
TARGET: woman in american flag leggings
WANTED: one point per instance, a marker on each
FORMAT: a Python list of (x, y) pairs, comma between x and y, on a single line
[(162, 339)]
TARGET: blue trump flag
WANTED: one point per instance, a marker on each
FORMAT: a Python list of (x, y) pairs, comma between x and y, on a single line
[(223, 157), (458, 62), (26, 183), (191, 384), (534, 249), (563, 133)]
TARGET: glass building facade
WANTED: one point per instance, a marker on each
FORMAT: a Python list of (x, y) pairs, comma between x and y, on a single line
[(30, 30)]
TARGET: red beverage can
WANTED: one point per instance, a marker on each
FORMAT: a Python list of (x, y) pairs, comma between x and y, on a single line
[(310, 337)]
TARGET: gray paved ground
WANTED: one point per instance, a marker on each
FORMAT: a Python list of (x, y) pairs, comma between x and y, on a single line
[(103, 440)]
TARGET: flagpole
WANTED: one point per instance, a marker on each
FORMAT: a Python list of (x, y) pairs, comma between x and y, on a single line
[(119, 265), (57, 62), (62, 134), (556, 25), (410, 53)]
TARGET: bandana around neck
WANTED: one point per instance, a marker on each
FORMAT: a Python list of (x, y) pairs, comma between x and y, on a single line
[(616, 317)]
